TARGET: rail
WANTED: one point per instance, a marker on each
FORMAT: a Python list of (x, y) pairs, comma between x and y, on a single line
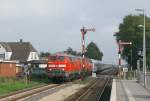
[(95, 91), (102, 92), (80, 97), (100, 89)]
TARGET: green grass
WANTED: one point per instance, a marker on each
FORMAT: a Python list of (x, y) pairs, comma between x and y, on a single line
[(8, 85)]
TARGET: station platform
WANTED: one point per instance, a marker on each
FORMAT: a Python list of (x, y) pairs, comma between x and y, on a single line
[(128, 90)]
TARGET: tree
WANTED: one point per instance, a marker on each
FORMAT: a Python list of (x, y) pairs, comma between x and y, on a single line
[(93, 52), (129, 31), (72, 52), (44, 54)]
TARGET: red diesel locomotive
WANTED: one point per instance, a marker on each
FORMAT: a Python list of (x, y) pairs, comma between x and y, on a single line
[(66, 67)]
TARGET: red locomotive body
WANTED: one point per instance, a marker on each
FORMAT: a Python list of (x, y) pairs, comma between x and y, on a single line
[(63, 66)]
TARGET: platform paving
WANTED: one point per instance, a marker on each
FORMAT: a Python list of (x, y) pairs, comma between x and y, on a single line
[(128, 90)]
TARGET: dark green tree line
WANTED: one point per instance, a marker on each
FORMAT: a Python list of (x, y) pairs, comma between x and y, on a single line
[(44, 54), (72, 52)]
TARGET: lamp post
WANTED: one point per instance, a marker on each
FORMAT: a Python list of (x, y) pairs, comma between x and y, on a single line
[(144, 46)]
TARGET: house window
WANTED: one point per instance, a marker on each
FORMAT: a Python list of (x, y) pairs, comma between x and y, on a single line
[(35, 56), (2, 56), (31, 55)]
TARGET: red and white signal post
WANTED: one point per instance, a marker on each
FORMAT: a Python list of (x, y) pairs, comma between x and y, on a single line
[(120, 46), (83, 32)]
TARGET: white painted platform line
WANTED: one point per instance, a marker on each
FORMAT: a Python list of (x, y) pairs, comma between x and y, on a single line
[(113, 91)]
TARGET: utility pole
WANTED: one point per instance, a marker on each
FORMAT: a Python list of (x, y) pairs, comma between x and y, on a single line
[(83, 32), (131, 59)]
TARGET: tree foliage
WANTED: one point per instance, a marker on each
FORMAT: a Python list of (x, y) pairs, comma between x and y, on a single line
[(44, 54), (72, 52), (129, 31), (93, 52)]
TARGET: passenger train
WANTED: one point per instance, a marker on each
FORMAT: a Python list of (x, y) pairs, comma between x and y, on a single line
[(96, 65)]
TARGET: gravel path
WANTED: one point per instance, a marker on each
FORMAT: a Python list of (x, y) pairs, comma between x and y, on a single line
[(63, 93)]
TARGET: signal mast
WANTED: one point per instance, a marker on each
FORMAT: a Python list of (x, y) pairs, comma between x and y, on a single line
[(120, 44), (83, 32)]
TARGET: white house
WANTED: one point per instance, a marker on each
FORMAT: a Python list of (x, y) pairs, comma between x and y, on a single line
[(18, 51)]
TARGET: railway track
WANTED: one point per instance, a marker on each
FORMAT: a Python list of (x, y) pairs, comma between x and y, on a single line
[(107, 92), (36, 93), (26, 93), (99, 89), (95, 92)]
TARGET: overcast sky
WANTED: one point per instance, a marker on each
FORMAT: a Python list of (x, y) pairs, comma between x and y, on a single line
[(54, 25)]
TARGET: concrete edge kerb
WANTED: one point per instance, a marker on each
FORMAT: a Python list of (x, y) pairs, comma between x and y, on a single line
[(113, 91)]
